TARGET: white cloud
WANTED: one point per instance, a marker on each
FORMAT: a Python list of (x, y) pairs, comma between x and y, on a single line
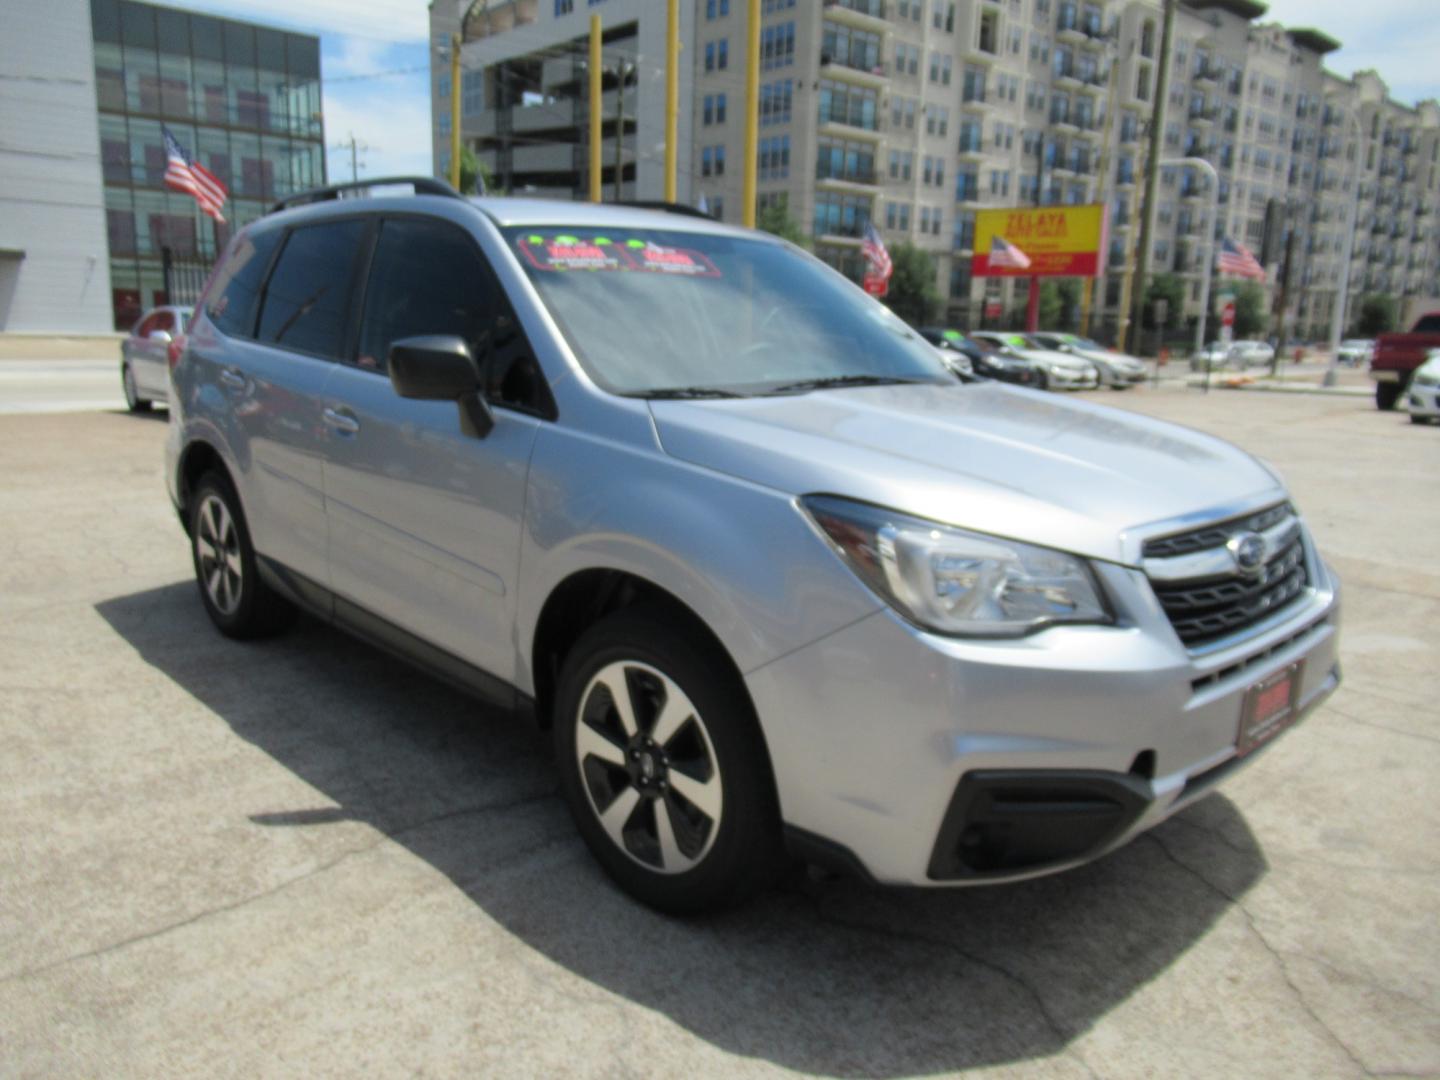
[(1398, 38), (394, 21), (390, 116)]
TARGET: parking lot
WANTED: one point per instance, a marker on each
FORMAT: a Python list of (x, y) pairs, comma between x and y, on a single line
[(299, 857)]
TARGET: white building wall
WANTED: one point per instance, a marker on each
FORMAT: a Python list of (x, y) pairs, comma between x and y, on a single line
[(54, 266)]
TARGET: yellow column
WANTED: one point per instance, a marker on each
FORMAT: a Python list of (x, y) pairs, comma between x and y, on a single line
[(752, 115), (672, 98), (596, 126), (455, 111)]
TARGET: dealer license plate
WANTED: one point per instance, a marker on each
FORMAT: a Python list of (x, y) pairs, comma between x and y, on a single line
[(1269, 708)]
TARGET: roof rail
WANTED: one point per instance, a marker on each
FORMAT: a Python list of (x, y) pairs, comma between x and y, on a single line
[(666, 207), (423, 185)]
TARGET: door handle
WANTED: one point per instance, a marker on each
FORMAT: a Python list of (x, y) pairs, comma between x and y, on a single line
[(233, 379), (341, 421)]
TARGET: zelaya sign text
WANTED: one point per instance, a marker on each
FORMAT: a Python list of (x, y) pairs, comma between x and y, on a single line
[(1059, 241)]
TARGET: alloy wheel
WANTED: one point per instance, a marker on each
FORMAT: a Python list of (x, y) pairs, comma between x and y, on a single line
[(217, 549), (648, 767)]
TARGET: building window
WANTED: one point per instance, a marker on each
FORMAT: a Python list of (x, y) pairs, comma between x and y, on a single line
[(564, 7), (777, 46), (989, 31), (775, 102)]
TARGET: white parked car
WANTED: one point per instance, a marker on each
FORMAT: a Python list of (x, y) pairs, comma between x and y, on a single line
[(1423, 396), (1245, 354), (1118, 370), (1355, 352), (1058, 370), (1212, 356), (144, 364)]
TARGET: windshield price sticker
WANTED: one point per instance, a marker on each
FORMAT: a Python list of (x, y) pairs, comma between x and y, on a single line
[(574, 253), (665, 260), (567, 253)]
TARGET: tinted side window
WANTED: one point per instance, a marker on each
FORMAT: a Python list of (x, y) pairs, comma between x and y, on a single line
[(428, 277), (230, 301), (308, 292)]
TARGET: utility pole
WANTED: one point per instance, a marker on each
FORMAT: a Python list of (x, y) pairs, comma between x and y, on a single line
[(622, 71), (752, 114), (596, 110), (355, 146), (1161, 90), (672, 97), (1087, 298), (1285, 270)]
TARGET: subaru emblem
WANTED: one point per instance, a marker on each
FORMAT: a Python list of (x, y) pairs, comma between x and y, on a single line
[(1248, 550)]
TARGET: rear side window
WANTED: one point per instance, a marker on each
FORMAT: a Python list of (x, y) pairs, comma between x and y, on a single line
[(308, 293), (1428, 324), (230, 300)]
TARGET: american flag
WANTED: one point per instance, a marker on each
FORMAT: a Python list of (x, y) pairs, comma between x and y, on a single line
[(1004, 253), (184, 174), (1236, 260), (873, 248)]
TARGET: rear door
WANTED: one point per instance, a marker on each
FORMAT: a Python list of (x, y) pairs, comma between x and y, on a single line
[(425, 520), (271, 373)]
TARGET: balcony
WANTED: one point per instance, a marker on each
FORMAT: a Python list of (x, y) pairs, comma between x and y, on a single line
[(859, 70), (971, 145), (973, 97), (855, 177), (1208, 73), (1125, 180), (1069, 29), (1068, 76), (861, 14), (1063, 120), (1204, 118)]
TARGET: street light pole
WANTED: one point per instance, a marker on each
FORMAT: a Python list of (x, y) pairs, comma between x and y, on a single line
[(1209, 261), (1342, 295)]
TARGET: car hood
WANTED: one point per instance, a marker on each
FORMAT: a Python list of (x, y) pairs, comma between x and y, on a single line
[(1124, 360), (988, 457)]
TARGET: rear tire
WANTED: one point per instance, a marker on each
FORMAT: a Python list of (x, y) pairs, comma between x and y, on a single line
[(237, 601), (133, 401), (1387, 394), (663, 765)]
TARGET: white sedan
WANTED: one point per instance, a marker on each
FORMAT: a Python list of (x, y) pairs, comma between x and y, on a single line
[(1245, 354), (1058, 370), (1355, 352), (1423, 397)]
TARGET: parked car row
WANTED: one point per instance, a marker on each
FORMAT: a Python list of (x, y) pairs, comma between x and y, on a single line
[(1237, 354), (1047, 360)]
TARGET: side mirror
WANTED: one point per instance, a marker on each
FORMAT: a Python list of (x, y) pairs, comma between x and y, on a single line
[(161, 337), (440, 368)]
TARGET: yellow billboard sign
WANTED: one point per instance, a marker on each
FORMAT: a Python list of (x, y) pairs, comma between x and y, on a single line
[(1043, 241)]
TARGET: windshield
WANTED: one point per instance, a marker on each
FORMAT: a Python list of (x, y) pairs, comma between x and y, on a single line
[(1015, 341), (651, 311)]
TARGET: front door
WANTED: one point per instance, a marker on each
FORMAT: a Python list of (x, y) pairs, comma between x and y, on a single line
[(424, 520)]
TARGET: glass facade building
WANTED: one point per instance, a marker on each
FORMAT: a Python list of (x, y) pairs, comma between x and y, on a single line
[(243, 100)]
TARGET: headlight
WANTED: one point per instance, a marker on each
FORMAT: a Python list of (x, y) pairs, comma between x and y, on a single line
[(958, 582), (1060, 370)]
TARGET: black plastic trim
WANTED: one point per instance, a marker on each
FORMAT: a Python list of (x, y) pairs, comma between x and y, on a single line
[(422, 185), (1001, 822), (389, 638), (827, 854)]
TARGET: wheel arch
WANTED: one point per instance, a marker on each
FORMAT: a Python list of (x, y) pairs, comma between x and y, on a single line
[(198, 458)]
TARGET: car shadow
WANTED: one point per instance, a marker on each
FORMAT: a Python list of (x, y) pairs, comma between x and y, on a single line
[(822, 975), (158, 412)]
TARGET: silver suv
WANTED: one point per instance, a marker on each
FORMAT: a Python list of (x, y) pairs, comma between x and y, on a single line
[(781, 586)]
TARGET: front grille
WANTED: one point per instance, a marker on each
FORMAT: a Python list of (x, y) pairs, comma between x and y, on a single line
[(1203, 609), (1213, 536)]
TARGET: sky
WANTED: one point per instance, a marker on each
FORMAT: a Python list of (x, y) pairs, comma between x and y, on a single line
[(374, 62)]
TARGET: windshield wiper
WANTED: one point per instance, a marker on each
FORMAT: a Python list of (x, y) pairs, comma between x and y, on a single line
[(842, 380), (680, 393)]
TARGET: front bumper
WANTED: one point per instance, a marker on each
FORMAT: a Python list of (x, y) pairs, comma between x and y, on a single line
[(881, 734), (1423, 400), (1060, 379)]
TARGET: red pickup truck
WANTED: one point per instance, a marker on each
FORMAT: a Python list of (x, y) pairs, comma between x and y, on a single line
[(1398, 355)]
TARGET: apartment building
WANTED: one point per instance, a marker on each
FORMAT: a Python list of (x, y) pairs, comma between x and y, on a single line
[(914, 114)]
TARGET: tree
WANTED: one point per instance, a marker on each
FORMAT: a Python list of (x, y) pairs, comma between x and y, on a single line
[(912, 294), (1249, 309), (471, 172), (776, 219), (1171, 289), (1378, 315)]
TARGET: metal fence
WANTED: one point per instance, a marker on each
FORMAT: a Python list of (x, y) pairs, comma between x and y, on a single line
[(184, 278)]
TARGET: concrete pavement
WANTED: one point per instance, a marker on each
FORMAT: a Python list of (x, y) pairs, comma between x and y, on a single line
[(298, 857)]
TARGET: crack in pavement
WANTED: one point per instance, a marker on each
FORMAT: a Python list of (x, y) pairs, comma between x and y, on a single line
[(222, 909), (1274, 953), (1060, 1031), (1382, 727)]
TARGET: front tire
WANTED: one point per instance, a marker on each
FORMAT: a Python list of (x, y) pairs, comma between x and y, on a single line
[(237, 601), (1387, 395), (133, 401), (663, 766)]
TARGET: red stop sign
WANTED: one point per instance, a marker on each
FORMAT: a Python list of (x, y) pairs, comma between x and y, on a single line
[(1227, 315)]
